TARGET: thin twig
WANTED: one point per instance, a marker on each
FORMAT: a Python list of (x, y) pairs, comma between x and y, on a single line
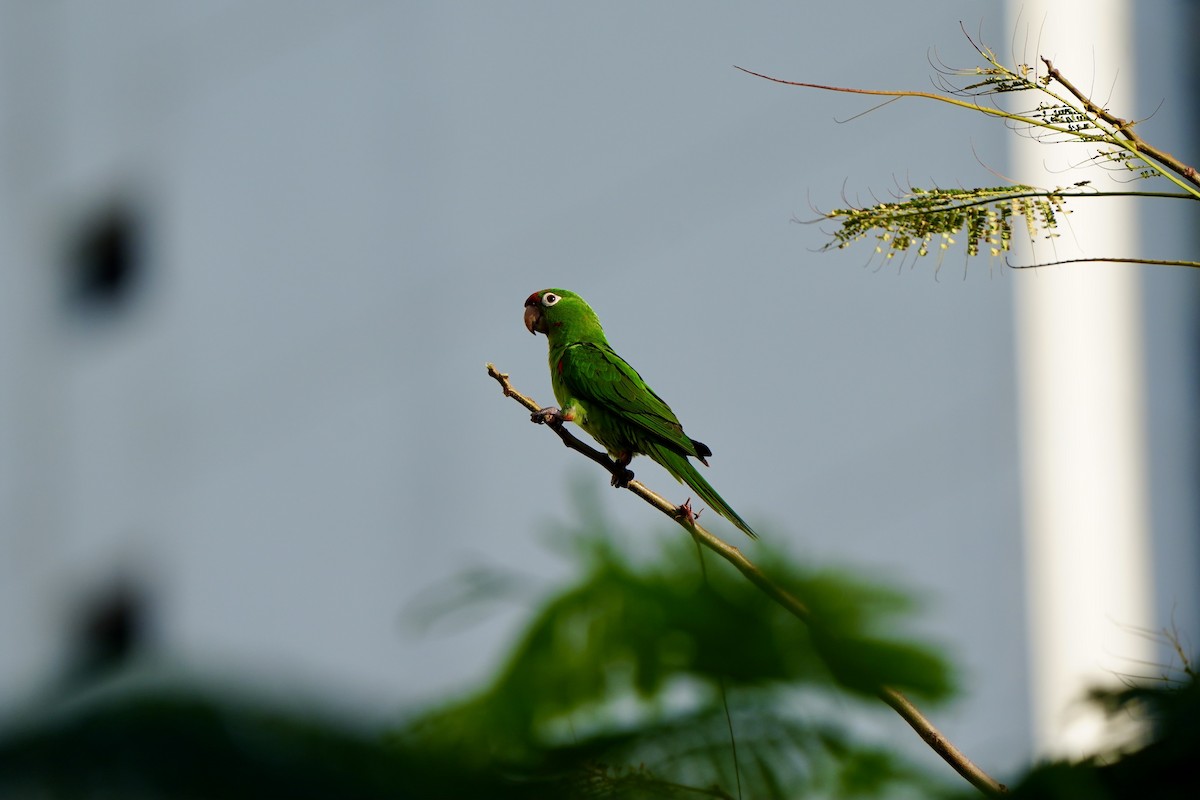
[(1125, 128), (1033, 122), (1040, 194), (901, 704), (1159, 262), (1122, 134)]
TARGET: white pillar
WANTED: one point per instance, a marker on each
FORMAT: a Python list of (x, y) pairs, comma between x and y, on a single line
[(1080, 376)]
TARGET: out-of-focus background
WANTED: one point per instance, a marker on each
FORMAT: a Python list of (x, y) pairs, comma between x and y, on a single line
[(255, 256)]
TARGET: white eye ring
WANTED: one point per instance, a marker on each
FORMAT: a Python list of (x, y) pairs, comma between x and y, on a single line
[(549, 299)]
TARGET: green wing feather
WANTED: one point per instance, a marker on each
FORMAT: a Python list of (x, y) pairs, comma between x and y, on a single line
[(623, 413), (596, 375)]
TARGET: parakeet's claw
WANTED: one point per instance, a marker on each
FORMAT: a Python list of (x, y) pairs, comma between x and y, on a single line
[(549, 415), (621, 477), (621, 474)]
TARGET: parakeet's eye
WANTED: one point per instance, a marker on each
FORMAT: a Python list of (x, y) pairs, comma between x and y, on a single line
[(549, 299)]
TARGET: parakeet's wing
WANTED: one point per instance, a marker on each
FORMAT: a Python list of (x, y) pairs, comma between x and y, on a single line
[(597, 375)]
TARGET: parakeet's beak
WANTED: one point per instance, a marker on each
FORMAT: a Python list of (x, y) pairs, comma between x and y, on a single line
[(534, 320)]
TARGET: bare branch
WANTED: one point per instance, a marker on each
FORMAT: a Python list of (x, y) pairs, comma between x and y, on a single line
[(901, 704), (971, 105), (1109, 260), (1125, 128)]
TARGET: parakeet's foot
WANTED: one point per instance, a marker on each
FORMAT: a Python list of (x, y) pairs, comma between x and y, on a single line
[(550, 415), (622, 475)]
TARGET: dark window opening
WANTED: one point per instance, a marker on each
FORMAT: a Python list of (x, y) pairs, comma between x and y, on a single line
[(111, 626), (105, 263)]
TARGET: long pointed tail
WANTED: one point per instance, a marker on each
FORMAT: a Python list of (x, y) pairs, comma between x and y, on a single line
[(684, 472)]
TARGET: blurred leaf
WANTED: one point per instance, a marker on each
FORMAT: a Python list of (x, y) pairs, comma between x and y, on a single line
[(635, 662), (186, 743), (465, 598), (848, 616), (1164, 768), (636, 680)]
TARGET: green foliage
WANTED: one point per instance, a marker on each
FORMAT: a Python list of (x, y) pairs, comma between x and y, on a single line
[(187, 743), (984, 217), (1163, 768), (623, 680), (1059, 113), (846, 614), (637, 679)]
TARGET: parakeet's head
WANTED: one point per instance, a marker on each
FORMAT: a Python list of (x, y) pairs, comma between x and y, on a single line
[(561, 315)]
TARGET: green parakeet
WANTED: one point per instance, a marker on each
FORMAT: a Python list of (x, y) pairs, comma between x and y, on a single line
[(597, 390)]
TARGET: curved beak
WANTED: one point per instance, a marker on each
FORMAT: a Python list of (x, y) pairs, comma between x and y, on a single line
[(534, 321)]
